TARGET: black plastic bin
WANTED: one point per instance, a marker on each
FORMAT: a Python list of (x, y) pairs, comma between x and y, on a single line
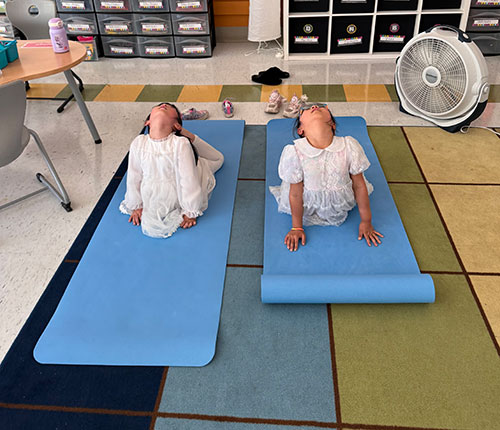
[(308, 5), (356, 6), (385, 5), (430, 20), (351, 34), (308, 35), (442, 4), (392, 32)]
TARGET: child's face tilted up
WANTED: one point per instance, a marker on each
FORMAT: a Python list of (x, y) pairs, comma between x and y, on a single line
[(314, 117), (163, 117)]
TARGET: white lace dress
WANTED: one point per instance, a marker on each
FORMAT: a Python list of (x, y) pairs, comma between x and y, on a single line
[(328, 195), (164, 180)]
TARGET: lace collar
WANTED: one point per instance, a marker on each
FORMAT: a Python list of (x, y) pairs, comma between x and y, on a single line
[(163, 139), (310, 151)]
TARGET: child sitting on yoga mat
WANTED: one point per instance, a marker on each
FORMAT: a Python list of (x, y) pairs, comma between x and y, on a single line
[(170, 174), (322, 178)]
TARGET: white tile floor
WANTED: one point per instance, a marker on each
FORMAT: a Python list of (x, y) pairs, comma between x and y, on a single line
[(36, 234)]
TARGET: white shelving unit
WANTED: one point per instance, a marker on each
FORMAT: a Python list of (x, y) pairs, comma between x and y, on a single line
[(371, 51)]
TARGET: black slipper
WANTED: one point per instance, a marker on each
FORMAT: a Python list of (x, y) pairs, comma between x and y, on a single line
[(280, 73), (266, 78)]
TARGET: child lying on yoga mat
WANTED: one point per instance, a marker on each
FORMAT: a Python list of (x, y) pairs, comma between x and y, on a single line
[(170, 175), (322, 178)]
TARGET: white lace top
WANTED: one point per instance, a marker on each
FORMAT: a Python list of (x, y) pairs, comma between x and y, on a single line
[(328, 195), (165, 181)]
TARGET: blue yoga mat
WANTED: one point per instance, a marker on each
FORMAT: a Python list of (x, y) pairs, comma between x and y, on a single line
[(333, 266), (135, 300)]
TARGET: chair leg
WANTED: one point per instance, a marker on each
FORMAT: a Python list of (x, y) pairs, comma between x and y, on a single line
[(60, 192), (71, 97)]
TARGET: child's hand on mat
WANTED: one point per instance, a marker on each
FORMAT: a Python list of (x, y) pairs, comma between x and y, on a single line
[(136, 216), (293, 238), (187, 222), (367, 231)]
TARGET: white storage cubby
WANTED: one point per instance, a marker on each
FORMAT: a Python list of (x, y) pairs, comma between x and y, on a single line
[(350, 29)]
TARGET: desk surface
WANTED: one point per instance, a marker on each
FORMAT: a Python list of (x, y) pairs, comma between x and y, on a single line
[(37, 62)]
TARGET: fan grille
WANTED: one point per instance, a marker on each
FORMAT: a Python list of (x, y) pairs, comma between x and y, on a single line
[(449, 92)]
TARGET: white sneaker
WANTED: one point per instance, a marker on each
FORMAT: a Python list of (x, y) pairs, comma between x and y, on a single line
[(292, 110), (274, 103)]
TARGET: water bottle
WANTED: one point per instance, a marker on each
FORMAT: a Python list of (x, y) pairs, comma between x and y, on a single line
[(58, 36)]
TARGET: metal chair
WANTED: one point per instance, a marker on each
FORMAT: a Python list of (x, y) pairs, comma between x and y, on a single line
[(31, 17), (15, 137)]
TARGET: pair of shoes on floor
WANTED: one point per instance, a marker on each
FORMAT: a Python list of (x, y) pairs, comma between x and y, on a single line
[(271, 76), (192, 114), (227, 108), (292, 110)]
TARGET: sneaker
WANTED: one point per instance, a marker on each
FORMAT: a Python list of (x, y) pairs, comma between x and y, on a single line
[(292, 111), (190, 114), (274, 103), (227, 108)]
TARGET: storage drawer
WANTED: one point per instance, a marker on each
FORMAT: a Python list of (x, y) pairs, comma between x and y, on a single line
[(351, 34), (308, 35), (156, 47), (79, 23), (111, 6), (483, 20), (392, 32), (488, 43), (120, 46), (6, 29), (190, 24), (153, 25), (153, 6), (309, 5), (485, 3), (397, 5), (442, 4), (111, 24), (193, 46), (188, 6), (430, 20), (353, 6), (75, 5)]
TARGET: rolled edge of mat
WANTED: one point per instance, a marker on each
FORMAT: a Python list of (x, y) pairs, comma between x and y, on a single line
[(411, 288)]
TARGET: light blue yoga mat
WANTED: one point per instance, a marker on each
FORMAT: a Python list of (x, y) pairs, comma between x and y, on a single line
[(333, 266), (135, 300)]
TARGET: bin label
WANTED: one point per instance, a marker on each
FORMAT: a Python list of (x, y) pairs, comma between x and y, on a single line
[(351, 29), (354, 1), (193, 49), (153, 27), (308, 28), (79, 27), (151, 50), (348, 41), (488, 2), (391, 38), (306, 40), (112, 5), (485, 23), (121, 50), (73, 5), (191, 26), (116, 28), (151, 4), (183, 5)]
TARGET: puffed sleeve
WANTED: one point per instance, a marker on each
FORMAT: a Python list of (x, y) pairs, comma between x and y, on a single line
[(358, 162), (188, 180), (133, 199), (290, 169)]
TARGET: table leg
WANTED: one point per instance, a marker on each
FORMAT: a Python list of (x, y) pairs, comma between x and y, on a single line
[(82, 106)]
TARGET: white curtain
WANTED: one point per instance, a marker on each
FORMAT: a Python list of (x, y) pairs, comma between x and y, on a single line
[(264, 20)]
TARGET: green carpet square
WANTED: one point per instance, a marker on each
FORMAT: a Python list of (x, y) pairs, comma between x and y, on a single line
[(391, 89), (89, 93), (394, 154), (241, 93), (324, 93), (160, 93)]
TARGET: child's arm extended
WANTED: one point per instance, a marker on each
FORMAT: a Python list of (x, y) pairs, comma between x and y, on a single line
[(188, 185), (296, 234), (366, 229)]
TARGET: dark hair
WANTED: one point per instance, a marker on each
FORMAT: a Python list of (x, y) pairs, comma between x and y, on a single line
[(145, 129), (296, 124)]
